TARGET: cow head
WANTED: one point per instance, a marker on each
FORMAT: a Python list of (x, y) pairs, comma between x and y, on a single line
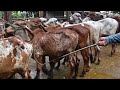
[(75, 18), (18, 28), (35, 23)]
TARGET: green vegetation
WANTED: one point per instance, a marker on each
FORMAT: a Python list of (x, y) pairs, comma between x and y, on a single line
[(1, 14), (18, 14)]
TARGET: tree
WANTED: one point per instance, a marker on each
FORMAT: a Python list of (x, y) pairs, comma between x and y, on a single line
[(1, 14)]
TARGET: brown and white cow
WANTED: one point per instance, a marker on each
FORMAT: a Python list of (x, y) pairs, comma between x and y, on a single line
[(83, 32), (14, 57)]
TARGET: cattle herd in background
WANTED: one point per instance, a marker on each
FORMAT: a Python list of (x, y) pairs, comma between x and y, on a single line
[(37, 37)]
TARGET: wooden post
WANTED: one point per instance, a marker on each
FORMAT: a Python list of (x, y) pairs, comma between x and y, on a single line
[(67, 15), (41, 14), (7, 17), (82, 14)]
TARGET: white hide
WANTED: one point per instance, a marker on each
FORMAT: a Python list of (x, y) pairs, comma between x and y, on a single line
[(64, 23), (86, 19), (107, 26), (51, 20), (28, 49), (43, 19), (67, 25), (5, 49)]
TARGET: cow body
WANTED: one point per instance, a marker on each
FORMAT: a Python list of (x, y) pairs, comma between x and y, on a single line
[(107, 26), (14, 57), (54, 44)]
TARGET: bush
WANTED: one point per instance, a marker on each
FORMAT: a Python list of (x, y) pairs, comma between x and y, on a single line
[(1, 14), (18, 14)]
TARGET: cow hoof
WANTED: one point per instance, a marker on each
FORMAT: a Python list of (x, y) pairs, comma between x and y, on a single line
[(110, 55), (82, 75), (49, 78), (63, 63), (74, 77), (92, 62), (36, 77), (98, 63), (88, 69), (57, 68), (64, 77)]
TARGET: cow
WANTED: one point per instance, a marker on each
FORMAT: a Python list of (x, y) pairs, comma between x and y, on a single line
[(75, 18), (54, 45), (52, 21), (104, 27), (84, 40), (14, 57), (18, 31), (93, 17)]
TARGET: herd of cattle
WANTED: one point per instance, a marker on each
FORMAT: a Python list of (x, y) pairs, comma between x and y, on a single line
[(38, 37)]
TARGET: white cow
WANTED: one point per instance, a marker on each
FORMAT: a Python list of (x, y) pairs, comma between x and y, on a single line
[(107, 26), (43, 19), (52, 21)]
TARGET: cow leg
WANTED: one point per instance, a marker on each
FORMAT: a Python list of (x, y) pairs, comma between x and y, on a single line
[(96, 53), (113, 49), (58, 66), (86, 67), (38, 72), (51, 69), (12, 76), (76, 67), (72, 66), (39, 66), (63, 63), (91, 55), (44, 66), (25, 73), (97, 56), (65, 60), (99, 60)]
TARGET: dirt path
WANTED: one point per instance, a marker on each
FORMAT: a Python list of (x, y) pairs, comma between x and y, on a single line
[(109, 67)]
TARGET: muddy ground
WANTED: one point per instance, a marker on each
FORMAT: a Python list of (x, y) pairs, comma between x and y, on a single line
[(109, 67)]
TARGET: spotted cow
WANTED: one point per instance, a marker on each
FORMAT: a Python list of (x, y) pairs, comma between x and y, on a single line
[(14, 57)]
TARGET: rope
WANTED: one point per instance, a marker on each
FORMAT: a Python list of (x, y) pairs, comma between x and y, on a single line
[(67, 54)]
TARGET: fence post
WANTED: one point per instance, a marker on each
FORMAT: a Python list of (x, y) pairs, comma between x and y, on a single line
[(68, 14), (7, 16)]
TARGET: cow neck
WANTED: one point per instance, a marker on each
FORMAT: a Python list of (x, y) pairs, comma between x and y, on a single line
[(43, 28)]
